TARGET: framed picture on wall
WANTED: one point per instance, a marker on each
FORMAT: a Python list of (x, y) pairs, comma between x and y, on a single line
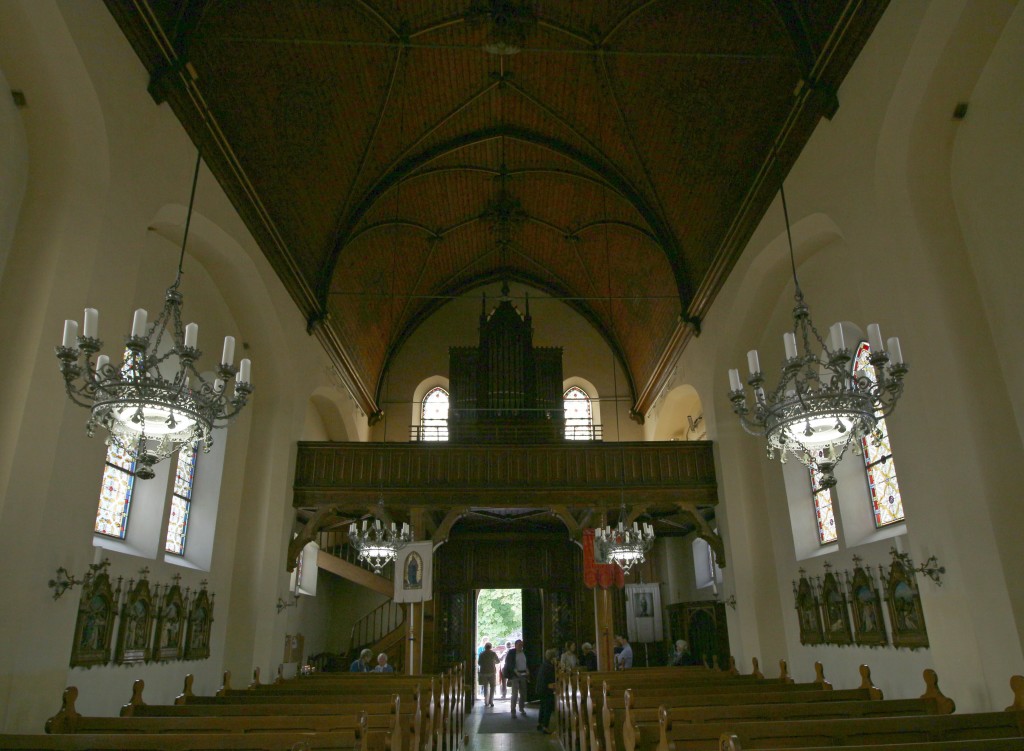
[(833, 606), (866, 604), (905, 611), (808, 611)]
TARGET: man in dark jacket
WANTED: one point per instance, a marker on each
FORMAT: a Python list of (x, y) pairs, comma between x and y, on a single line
[(517, 675), (546, 689)]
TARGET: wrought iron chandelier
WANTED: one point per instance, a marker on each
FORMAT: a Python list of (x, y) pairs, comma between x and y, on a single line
[(155, 401), (378, 544), (821, 407), (624, 546)]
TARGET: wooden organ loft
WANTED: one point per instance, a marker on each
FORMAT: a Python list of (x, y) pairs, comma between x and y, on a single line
[(505, 390)]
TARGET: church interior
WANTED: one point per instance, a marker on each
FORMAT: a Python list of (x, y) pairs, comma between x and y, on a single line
[(491, 264)]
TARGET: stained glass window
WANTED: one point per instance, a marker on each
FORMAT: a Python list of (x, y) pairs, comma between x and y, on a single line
[(115, 493), (434, 415), (886, 502), (823, 511), (181, 500), (579, 415)]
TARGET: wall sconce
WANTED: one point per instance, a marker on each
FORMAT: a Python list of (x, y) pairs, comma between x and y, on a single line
[(731, 601), (281, 604), (66, 580), (929, 568)]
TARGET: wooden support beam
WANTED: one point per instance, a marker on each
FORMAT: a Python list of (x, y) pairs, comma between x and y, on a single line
[(354, 573)]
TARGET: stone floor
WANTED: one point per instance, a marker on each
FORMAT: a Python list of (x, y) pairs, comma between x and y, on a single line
[(526, 737)]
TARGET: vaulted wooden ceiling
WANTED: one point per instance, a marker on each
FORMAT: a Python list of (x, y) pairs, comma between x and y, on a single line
[(390, 154)]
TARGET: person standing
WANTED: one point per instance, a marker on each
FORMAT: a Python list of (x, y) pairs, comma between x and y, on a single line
[(546, 689), (588, 660), (518, 676), (624, 659), (488, 663), (569, 660), (362, 663), (504, 657)]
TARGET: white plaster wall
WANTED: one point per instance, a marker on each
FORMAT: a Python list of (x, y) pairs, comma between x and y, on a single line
[(108, 172), (875, 200)]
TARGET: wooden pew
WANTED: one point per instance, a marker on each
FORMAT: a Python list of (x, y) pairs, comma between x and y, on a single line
[(380, 727), (865, 731), (683, 691), (340, 719), (641, 717), (732, 743), (285, 741), (846, 732)]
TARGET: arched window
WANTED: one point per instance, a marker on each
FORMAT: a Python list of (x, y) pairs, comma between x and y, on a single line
[(434, 415), (886, 502), (823, 512), (579, 416), (116, 493), (181, 500)]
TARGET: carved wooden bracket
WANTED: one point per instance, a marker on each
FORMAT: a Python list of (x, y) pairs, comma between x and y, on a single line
[(307, 534), (704, 530), (445, 527)]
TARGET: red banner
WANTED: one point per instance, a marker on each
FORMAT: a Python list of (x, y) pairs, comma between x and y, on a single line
[(603, 575)]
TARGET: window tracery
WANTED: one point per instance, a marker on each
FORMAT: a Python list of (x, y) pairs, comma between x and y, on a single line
[(884, 489), (579, 415), (115, 493), (434, 415)]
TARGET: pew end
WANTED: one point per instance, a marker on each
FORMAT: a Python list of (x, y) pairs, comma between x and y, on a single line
[(255, 678), (1017, 686), (819, 677), (186, 691), (226, 685), (128, 710), (943, 702), (874, 692), (784, 676), (65, 719), (729, 742), (758, 675)]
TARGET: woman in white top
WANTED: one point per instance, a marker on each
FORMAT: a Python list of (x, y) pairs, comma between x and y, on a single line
[(569, 660)]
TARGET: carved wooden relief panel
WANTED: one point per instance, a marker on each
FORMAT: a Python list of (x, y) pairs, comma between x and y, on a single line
[(134, 638), (94, 628), (866, 604), (905, 611), (837, 615), (170, 623), (808, 611), (200, 620)]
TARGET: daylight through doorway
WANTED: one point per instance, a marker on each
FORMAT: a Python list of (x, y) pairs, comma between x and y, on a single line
[(499, 620)]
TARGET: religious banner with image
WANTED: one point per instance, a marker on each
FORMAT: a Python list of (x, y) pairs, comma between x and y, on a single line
[(643, 612), (414, 567), (603, 575)]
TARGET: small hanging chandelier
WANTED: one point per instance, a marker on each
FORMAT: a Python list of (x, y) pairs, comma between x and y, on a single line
[(155, 401), (820, 406), (624, 546), (378, 544)]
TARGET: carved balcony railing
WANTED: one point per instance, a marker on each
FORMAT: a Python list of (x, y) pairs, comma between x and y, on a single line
[(573, 473)]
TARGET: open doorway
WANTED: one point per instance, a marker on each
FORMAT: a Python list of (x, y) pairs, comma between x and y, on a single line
[(499, 620)]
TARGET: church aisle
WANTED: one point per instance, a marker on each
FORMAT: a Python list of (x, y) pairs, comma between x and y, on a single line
[(502, 733)]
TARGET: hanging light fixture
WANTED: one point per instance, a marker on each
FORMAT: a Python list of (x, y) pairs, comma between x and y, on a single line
[(820, 406), (155, 401), (624, 546), (378, 544)]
